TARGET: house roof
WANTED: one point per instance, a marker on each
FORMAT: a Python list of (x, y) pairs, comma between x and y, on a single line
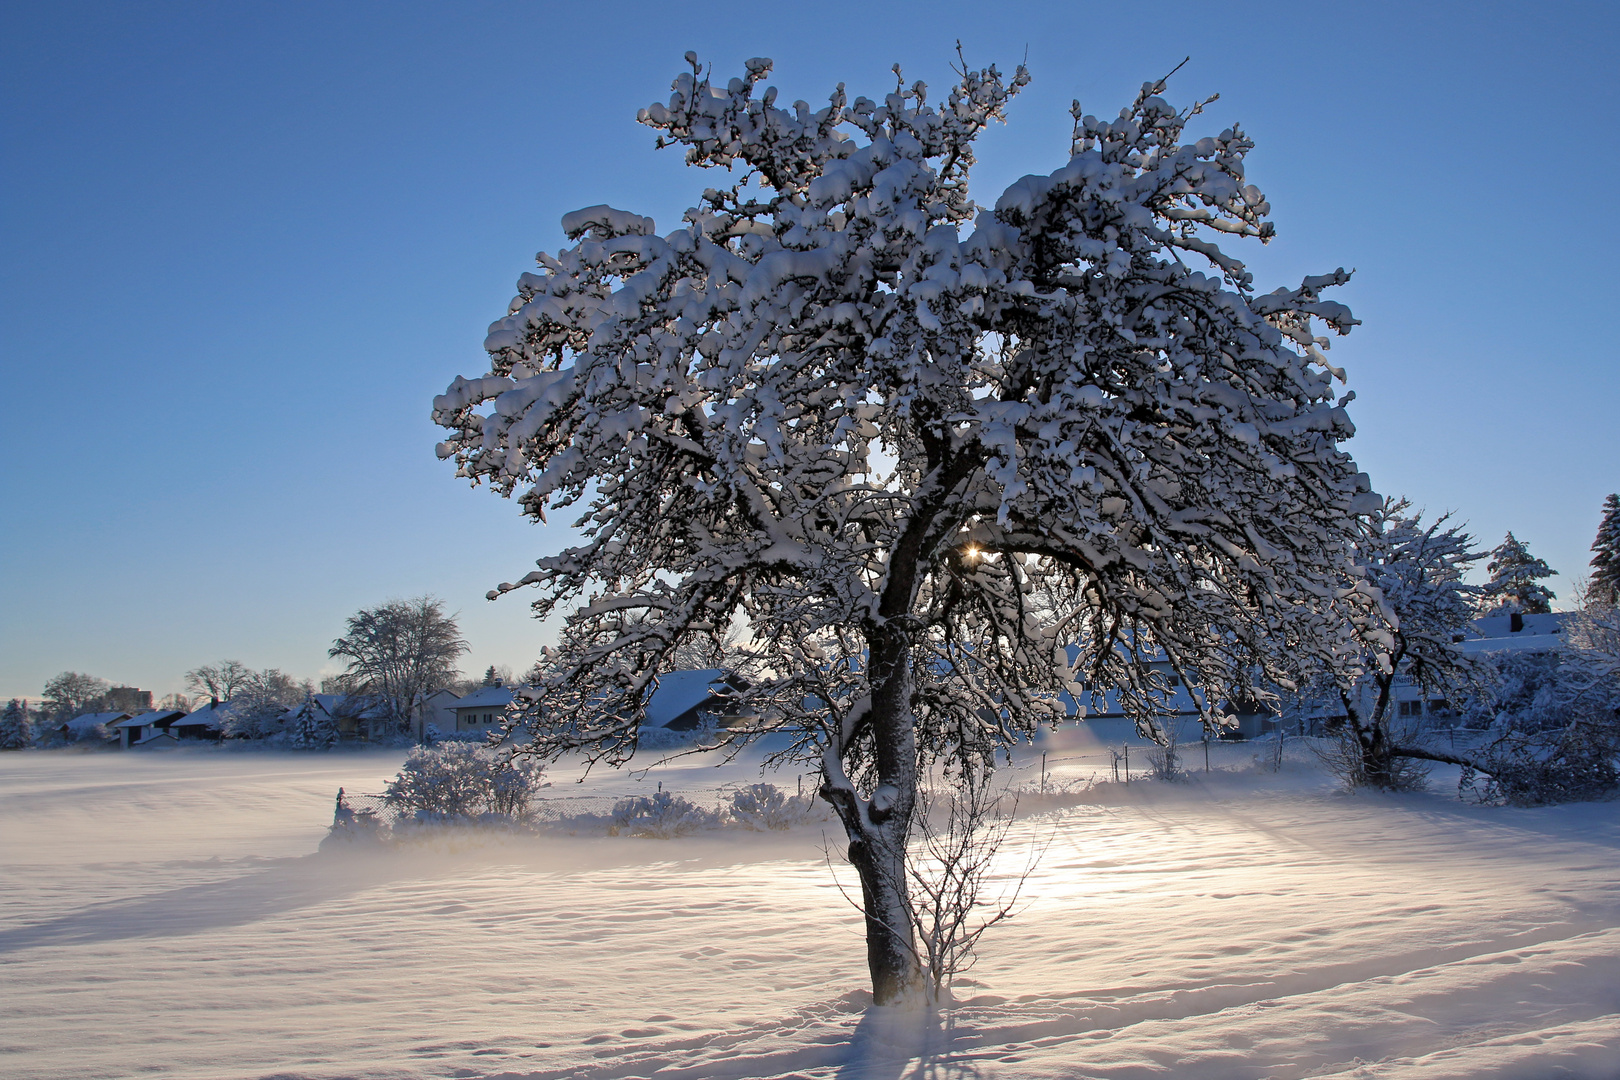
[(486, 697), (94, 719), (1536, 633), (680, 691), (212, 715), (147, 719), (1501, 626)]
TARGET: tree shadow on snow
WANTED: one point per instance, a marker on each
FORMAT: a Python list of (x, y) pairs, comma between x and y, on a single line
[(283, 885), (904, 1044)]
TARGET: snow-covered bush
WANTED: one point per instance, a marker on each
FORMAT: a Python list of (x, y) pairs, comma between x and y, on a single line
[(762, 807), (660, 816), (1555, 720), (454, 781), (1525, 767)]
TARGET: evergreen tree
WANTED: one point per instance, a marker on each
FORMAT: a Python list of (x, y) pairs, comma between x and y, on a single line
[(1605, 584), (15, 730), (1512, 588), (313, 728)]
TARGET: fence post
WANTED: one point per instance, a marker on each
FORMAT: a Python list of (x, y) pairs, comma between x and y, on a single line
[(1206, 753), (1043, 772), (1127, 763)]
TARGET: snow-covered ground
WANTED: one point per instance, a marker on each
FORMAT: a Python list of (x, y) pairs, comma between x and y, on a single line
[(169, 916)]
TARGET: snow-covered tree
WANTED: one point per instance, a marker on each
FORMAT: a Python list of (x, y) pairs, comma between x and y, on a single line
[(1604, 585), (1419, 571), (73, 693), (261, 700), (918, 449), (16, 732), (1514, 588), (400, 652), (312, 727)]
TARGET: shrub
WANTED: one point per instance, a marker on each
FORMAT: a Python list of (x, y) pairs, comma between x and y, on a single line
[(762, 807), (660, 816), (460, 781)]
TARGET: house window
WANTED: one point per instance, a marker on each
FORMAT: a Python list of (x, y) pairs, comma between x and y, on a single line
[(1409, 708), (1439, 705)]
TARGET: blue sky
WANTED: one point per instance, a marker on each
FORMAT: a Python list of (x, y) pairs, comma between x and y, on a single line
[(242, 246)]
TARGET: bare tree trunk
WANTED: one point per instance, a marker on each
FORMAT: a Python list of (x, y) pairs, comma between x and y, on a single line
[(880, 827)]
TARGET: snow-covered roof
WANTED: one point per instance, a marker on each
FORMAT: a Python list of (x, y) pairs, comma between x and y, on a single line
[(96, 719), (680, 691), (1513, 643), (147, 719), (1536, 633), (486, 697), (213, 715), (1501, 626)]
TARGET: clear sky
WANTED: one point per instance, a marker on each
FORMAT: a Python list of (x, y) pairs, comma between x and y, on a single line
[(242, 247)]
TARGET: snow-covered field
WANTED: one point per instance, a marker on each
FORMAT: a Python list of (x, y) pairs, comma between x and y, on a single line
[(169, 916)]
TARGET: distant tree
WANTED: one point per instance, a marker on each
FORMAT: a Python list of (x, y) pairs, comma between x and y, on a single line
[(846, 406), (1419, 571), (400, 652), (312, 727), (1513, 587), (1604, 586), (261, 701), (16, 732), (174, 702), (220, 681), (341, 683), (73, 693)]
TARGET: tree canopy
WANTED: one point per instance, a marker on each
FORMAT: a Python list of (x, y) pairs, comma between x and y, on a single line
[(944, 462)]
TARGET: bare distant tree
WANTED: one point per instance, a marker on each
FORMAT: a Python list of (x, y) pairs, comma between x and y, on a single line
[(400, 651), (219, 681), (72, 693), (261, 702)]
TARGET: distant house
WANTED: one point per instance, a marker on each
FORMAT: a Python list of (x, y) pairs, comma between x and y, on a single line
[(437, 709), (91, 727), (480, 710), (683, 700), (206, 723), (148, 730), (1528, 635)]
